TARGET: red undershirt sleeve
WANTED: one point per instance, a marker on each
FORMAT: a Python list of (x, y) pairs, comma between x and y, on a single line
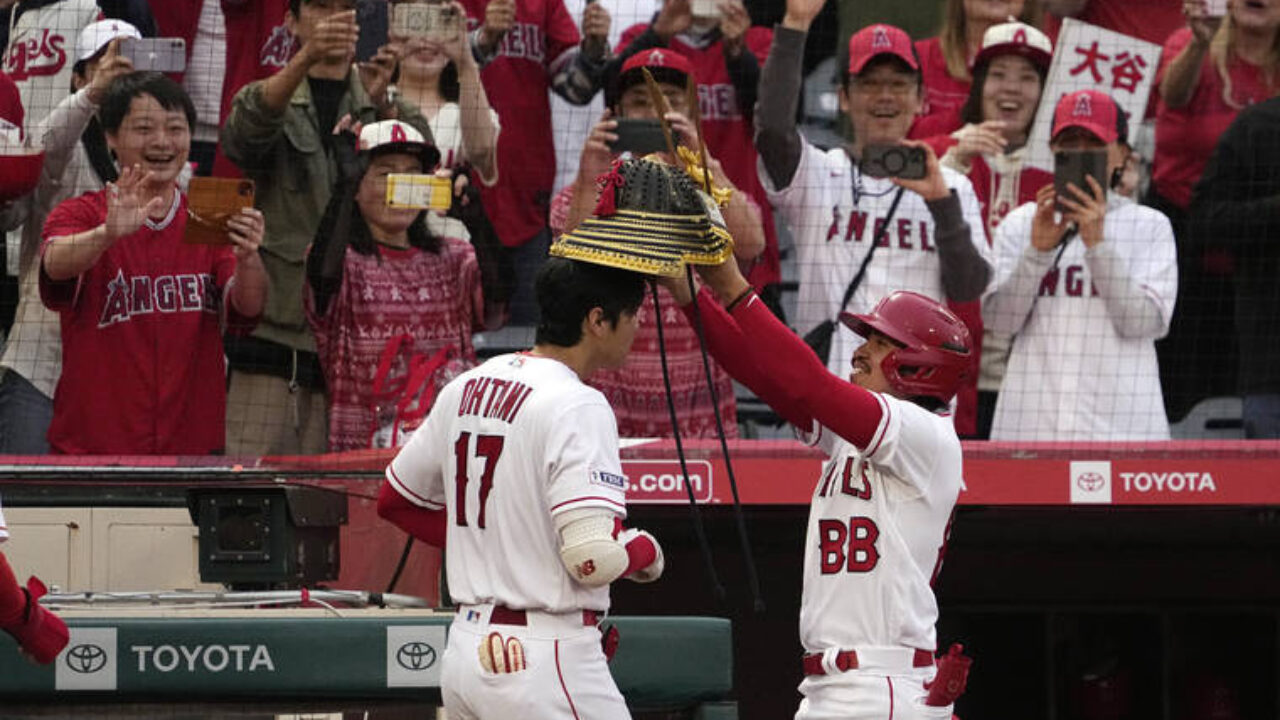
[(426, 525), (726, 342), (790, 372)]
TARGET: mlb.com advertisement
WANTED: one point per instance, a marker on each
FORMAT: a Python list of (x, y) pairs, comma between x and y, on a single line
[(993, 475)]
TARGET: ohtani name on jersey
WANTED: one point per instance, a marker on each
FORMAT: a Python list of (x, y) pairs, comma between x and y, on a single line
[(493, 398), (144, 294), (856, 230), (1070, 279)]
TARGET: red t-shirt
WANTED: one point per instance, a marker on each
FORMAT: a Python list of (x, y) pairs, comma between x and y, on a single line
[(142, 363), (1150, 20), (943, 94), (517, 82), (1186, 136), (434, 298), (729, 134), (258, 45), (636, 390)]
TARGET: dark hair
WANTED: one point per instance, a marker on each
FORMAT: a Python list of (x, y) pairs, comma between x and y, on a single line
[(635, 76), (120, 95), (295, 7), (843, 76), (971, 111), (450, 88), (358, 235), (567, 291)]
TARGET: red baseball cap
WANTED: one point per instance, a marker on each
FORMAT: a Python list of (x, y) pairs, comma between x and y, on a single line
[(11, 114), (659, 58), (875, 40), (1088, 109), (21, 164)]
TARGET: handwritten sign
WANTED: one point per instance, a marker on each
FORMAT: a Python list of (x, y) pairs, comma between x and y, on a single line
[(1088, 57)]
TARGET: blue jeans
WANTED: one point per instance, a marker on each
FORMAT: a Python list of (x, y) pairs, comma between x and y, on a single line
[(1262, 416), (25, 414)]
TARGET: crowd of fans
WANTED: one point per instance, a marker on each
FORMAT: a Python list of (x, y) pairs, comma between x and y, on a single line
[(329, 318)]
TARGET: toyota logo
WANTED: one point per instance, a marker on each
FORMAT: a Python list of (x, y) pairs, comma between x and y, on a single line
[(416, 656), (1090, 481), (86, 658)]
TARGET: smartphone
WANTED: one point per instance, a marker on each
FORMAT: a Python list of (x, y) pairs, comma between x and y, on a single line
[(434, 21), (639, 136), (372, 17), (894, 161), (420, 192), (166, 55), (211, 202), (705, 8), (1215, 8), (1073, 166)]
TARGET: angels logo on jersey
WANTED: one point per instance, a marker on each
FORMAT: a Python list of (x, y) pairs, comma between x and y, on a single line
[(900, 234), (278, 48), (718, 102), (34, 57), (143, 295), (1070, 279)]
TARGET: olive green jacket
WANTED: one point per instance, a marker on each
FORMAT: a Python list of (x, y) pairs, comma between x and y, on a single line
[(294, 176)]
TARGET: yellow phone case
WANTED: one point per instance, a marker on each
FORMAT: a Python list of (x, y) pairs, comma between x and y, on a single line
[(419, 192)]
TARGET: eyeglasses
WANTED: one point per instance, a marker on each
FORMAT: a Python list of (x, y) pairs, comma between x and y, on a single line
[(875, 86)]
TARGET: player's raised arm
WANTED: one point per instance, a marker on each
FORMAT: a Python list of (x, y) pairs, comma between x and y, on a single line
[(772, 361)]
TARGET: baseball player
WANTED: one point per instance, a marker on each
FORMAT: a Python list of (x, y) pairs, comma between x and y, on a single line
[(1087, 290), (519, 459), (39, 633), (932, 244), (881, 509)]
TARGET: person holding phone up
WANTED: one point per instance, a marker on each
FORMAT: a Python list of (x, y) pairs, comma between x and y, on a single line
[(926, 234), (280, 133), (635, 390), (142, 310), (1086, 281)]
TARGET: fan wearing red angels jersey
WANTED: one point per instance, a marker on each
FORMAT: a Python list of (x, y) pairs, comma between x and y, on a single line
[(726, 56), (142, 311), (882, 506), (517, 467)]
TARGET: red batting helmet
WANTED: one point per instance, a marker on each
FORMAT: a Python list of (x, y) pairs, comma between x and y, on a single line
[(936, 356)]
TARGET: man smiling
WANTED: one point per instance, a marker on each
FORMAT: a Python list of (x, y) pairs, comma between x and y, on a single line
[(930, 241), (141, 310)]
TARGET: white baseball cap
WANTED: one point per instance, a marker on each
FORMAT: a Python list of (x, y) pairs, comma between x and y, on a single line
[(95, 36), (1015, 38), (396, 136)]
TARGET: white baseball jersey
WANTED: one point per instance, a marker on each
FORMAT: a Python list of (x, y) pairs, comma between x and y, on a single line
[(1083, 365), (833, 231), (877, 527), (42, 50), (4, 529), (507, 446)]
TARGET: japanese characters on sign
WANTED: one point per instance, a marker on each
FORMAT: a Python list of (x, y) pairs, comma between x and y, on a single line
[(1089, 57)]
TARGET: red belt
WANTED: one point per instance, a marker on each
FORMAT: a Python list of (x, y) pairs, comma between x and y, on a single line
[(502, 615), (848, 660)]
